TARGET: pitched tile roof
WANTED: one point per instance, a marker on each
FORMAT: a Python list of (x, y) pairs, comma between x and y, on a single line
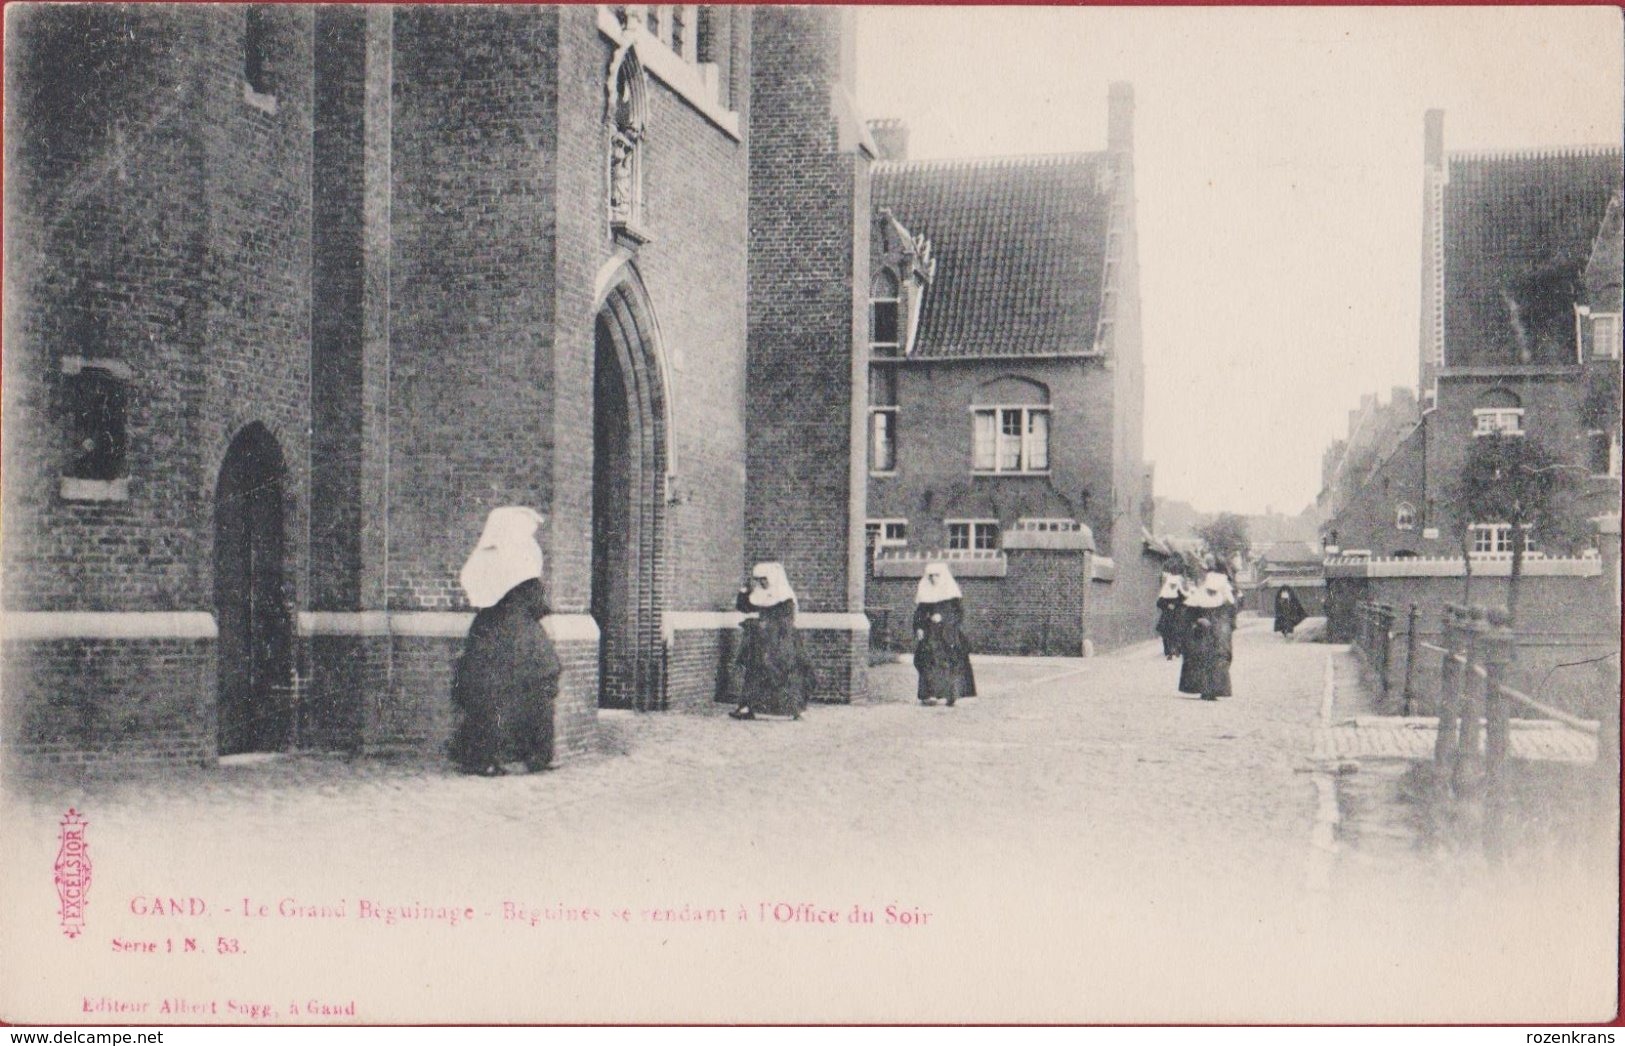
[(1518, 231), (1020, 244)]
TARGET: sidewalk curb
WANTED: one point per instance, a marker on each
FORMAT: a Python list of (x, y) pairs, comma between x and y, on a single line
[(1323, 836)]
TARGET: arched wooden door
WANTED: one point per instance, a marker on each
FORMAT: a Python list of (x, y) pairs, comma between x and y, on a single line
[(628, 507), (255, 644)]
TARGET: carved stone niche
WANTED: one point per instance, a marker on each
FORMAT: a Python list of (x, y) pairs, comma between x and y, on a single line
[(626, 113)]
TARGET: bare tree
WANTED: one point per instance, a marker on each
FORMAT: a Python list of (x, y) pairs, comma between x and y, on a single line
[(1516, 481)]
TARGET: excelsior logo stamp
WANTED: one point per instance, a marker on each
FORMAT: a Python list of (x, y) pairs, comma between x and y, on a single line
[(72, 871)]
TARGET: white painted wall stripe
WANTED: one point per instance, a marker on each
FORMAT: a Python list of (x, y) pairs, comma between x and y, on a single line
[(41, 625)]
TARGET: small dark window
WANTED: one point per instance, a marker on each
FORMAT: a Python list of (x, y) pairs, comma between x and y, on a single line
[(883, 386), (883, 314), (679, 28), (256, 45), (97, 406)]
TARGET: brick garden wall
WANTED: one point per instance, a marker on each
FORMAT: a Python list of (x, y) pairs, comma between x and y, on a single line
[(1038, 607)]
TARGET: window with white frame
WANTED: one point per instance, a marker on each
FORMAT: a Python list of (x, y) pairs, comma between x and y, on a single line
[(1605, 335), (882, 419), (885, 314), (1496, 538), (1505, 421), (1405, 516), (886, 533), (1010, 439), (972, 534)]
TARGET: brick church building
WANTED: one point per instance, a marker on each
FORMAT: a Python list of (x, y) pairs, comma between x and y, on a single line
[(295, 295), (1006, 385)]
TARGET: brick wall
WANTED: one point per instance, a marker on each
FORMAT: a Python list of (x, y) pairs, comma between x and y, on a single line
[(1422, 468), (472, 270), (1038, 607), (167, 225), (697, 667), (86, 702), (809, 245)]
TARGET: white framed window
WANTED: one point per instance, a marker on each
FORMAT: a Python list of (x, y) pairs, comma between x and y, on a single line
[(883, 420), (1010, 439), (885, 314), (1602, 452), (1507, 421), (1496, 539), (1605, 336), (882, 440), (886, 533), (1405, 516), (972, 534)]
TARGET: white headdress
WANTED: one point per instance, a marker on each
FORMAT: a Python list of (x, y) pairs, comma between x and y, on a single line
[(1214, 591), (936, 585), (505, 556), (777, 589)]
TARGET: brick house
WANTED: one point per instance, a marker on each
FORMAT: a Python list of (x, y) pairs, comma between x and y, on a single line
[(297, 294), (1006, 390), (1520, 335)]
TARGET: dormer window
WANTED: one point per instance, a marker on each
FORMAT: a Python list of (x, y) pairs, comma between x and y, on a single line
[(1404, 516), (885, 308)]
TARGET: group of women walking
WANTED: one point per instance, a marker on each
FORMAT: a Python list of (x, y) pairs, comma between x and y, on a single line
[(772, 675), (1196, 617), (506, 682)]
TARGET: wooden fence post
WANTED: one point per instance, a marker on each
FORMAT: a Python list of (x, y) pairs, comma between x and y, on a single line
[(1444, 745), (1410, 656), (1497, 644), (1469, 704), (1385, 642)]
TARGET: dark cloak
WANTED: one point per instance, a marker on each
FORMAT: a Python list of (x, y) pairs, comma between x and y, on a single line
[(772, 674), (942, 653), (1289, 612), (1206, 668), (1171, 621), (505, 684)]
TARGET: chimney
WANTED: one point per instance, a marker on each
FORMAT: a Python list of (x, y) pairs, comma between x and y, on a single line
[(1433, 138), (891, 138), (1120, 116)]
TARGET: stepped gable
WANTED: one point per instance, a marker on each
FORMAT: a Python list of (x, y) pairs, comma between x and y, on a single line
[(1020, 244)]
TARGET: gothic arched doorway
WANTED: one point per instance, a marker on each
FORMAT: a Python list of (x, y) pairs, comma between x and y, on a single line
[(628, 502), (255, 643)]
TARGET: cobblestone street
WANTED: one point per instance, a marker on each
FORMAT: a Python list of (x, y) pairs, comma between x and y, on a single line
[(1079, 843)]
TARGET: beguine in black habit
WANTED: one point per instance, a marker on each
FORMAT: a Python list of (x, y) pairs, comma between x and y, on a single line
[(505, 684), (1211, 612), (941, 652), (1289, 612), (772, 674)]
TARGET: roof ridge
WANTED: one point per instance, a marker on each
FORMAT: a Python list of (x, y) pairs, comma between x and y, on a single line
[(986, 162), (1535, 152)]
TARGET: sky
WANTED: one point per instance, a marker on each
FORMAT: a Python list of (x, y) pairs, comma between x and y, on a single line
[(1278, 167)]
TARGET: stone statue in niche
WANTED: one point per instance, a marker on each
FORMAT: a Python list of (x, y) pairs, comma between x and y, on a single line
[(622, 176), (626, 108)]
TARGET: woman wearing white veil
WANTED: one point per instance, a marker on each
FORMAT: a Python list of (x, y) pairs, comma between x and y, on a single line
[(772, 674), (1211, 605), (506, 681), (941, 652)]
